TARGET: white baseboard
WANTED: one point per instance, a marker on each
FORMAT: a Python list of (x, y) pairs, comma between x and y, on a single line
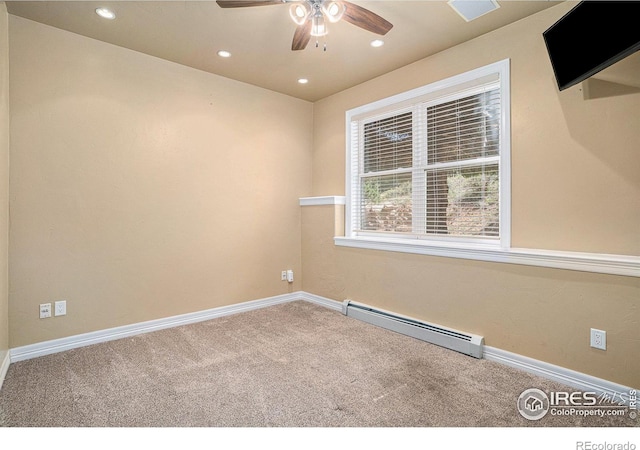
[(545, 370), (321, 301), (568, 377), (4, 367), (95, 337)]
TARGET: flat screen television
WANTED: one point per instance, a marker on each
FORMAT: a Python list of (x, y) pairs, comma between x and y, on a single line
[(590, 37)]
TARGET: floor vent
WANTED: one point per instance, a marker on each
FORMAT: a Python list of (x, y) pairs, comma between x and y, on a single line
[(468, 344)]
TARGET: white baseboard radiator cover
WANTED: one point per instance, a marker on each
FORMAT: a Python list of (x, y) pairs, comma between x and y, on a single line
[(469, 344)]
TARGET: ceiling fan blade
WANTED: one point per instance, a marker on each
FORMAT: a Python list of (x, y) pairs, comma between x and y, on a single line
[(302, 36), (363, 18), (246, 3)]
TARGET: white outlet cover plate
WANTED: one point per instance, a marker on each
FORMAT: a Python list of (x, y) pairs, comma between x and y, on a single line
[(598, 339), (60, 308)]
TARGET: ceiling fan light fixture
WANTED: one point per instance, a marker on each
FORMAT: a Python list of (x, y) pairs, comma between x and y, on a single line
[(311, 17), (299, 13), (318, 27), (333, 11)]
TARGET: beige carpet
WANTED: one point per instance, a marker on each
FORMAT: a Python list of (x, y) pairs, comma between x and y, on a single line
[(291, 365)]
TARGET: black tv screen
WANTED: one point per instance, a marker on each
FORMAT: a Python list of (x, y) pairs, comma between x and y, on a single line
[(591, 37)]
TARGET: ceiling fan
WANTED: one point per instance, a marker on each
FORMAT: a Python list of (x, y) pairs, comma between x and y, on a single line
[(311, 16)]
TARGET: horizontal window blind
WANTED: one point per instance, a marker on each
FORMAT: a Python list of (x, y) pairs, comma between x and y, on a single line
[(388, 143), (430, 169), (386, 203), (463, 201), (466, 128)]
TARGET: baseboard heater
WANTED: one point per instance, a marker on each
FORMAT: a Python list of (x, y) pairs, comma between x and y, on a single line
[(468, 344)]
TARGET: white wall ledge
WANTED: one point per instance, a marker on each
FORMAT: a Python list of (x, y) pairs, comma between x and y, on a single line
[(584, 262), (325, 200)]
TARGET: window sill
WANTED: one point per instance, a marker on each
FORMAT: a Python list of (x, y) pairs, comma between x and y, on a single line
[(585, 262)]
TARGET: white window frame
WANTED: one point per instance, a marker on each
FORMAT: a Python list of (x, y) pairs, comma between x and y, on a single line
[(611, 264), (446, 245)]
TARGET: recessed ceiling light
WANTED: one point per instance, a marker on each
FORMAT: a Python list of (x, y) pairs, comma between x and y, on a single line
[(377, 43), (303, 80), (106, 13), (224, 54)]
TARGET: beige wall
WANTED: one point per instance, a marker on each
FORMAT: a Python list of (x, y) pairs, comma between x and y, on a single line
[(142, 189), (576, 185), (4, 182)]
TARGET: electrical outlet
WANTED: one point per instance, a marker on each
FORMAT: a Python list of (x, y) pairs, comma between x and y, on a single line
[(60, 308), (598, 339), (290, 276), (283, 277), (45, 310)]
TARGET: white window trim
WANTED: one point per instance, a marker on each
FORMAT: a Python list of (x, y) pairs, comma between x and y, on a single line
[(443, 88), (611, 264)]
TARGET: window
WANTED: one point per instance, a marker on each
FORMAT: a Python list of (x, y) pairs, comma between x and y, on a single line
[(431, 166)]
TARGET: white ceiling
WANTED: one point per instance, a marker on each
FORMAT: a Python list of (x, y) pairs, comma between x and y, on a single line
[(259, 38)]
